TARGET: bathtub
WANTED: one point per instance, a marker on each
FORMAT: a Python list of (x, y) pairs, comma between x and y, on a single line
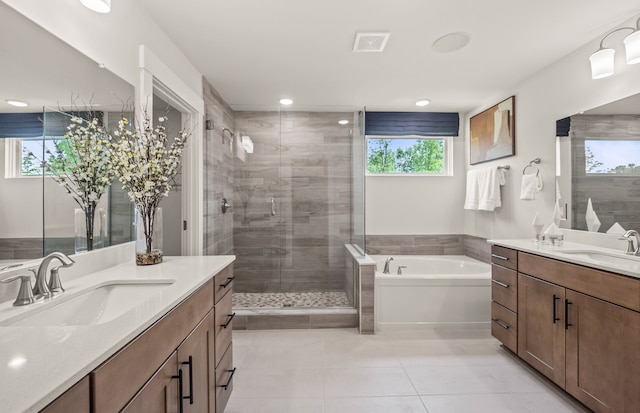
[(434, 291)]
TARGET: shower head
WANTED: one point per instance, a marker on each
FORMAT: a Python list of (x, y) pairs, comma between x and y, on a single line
[(231, 134)]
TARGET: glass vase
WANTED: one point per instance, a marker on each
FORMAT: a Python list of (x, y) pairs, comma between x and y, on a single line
[(89, 232), (149, 236)]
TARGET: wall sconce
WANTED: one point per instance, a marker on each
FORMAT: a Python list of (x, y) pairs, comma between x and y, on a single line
[(99, 6), (602, 59)]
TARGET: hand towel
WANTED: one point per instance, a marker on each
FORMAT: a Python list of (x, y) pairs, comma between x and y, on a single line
[(593, 223), (483, 188), (530, 185)]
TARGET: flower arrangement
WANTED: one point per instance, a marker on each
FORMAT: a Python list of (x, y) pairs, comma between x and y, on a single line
[(81, 165), (146, 166)]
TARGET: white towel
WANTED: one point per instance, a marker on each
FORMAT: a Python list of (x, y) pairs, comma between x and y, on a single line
[(483, 188), (593, 223), (530, 185)]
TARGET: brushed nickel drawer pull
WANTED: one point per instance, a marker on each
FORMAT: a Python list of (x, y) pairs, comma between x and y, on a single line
[(500, 257), (500, 323), (228, 383), (501, 284), (225, 325)]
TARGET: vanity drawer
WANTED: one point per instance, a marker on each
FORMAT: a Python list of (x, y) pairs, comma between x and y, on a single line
[(504, 326), (116, 381), (74, 400), (223, 283), (224, 380), (617, 289), (504, 287), (224, 324), (505, 257)]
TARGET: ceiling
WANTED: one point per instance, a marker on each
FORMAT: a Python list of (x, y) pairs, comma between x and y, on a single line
[(255, 52), (42, 70)]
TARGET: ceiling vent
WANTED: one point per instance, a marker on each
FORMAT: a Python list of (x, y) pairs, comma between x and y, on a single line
[(370, 42)]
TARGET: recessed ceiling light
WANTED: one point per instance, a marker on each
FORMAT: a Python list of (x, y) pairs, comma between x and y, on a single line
[(17, 103), (451, 42), (422, 102), (343, 122), (286, 101), (100, 6)]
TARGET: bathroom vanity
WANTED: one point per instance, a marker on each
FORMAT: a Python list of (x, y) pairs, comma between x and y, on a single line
[(573, 313), (168, 351)]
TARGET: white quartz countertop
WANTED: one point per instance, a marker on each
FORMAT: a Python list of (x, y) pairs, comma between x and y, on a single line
[(38, 364), (578, 254)]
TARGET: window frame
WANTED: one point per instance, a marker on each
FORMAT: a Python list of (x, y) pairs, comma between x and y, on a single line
[(447, 156), (608, 174)]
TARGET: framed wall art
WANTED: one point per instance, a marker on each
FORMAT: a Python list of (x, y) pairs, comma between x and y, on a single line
[(493, 132)]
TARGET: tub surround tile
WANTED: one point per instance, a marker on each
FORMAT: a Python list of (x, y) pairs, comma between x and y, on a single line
[(366, 299), (477, 248), (448, 244)]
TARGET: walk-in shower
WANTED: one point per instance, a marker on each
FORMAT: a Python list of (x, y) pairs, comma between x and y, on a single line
[(295, 201)]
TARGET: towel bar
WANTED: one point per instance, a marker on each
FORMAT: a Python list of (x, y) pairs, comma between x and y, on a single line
[(536, 161)]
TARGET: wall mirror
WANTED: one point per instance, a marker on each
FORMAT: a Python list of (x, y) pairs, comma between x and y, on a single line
[(598, 158), (36, 214)]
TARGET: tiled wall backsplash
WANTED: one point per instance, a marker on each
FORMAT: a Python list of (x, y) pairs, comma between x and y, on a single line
[(447, 244)]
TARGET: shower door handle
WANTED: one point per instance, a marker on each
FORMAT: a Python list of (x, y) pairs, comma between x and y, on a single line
[(273, 207)]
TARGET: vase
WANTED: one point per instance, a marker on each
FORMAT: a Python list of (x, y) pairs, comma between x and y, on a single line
[(149, 236), (89, 232)]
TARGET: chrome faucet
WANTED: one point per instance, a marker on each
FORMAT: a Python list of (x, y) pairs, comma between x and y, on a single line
[(42, 289), (386, 265), (631, 249)]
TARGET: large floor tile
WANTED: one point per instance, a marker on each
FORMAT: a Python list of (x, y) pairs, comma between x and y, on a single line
[(476, 403), (454, 380), (292, 356), (275, 383), (519, 378), (552, 401), (239, 353), (236, 405), (353, 382), (359, 354), (405, 404)]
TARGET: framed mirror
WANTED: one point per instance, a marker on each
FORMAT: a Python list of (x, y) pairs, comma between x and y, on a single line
[(598, 159), (52, 79)]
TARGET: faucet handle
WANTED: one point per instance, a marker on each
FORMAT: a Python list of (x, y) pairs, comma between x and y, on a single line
[(400, 267), (55, 286), (631, 249), (25, 295)]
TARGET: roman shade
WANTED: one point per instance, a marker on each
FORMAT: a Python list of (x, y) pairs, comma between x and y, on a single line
[(412, 123)]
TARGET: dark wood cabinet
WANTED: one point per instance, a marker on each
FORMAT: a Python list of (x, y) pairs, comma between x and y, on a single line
[(578, 326), (160, 394), (74, 400), (541, 329), (193, 360), (603, 354)]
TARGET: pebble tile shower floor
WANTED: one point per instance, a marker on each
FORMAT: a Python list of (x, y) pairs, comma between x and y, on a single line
[(281, 300)]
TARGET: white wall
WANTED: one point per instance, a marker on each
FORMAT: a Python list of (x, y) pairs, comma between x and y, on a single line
[(111, 39), (562, 89), (417, 204)]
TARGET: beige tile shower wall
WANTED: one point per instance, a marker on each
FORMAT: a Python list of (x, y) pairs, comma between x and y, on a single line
[(218, 182), (302, 161)]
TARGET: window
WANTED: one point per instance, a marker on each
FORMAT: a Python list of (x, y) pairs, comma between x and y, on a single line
[(408, 155), (612, 156), (23, 156)]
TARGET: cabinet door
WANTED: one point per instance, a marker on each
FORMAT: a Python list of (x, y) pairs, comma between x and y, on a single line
[(160, 393), (74, 400), (541, 329), (193, 359), (603, 354)]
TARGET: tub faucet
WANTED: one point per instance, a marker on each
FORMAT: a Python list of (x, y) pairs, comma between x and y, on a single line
[(386, 265), (631, 249), (54, 286)]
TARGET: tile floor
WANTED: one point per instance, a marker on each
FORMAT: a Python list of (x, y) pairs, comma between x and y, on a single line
[(340, 371)]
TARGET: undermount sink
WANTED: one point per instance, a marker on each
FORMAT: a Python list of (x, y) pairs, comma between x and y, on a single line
[(94, 306), (606, 257)]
